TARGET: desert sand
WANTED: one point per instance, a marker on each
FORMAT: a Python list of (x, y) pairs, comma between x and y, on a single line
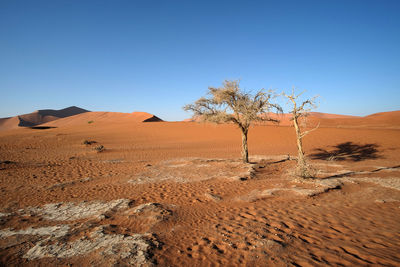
[(38, 117), (176, 194)]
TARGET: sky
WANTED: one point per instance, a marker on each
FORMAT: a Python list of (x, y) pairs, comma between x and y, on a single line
[(157, 56)]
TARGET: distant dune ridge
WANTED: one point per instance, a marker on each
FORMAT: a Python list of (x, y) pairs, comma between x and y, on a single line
[(65, 203), (72, 116), (390, 119), (104, 117), (39, 117)]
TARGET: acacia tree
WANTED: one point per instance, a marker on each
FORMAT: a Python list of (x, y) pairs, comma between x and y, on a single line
[(230, 104), (300, 110)]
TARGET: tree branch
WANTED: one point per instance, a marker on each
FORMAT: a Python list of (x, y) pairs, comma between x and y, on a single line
[(309, 131)]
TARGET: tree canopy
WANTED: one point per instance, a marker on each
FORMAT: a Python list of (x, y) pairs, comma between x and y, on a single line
[(230, 103)]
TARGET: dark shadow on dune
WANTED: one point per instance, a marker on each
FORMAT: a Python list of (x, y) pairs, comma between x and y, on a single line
[(348, 151), (386, 168), (7, 162), (42, 127), (350, 173), (46, 115), (153, 119), (4, 163), (280, 161), (341, 175)]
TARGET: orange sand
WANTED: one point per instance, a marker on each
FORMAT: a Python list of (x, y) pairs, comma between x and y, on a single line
[(209, 222), (38, 117)]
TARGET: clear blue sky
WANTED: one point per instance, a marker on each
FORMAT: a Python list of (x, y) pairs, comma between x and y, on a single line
[(157, 56)]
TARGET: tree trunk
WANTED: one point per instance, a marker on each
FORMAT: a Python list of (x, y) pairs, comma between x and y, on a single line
[(245, 150), (301, 162)]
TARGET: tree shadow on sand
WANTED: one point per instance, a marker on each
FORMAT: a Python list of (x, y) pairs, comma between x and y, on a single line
[(348, 151)]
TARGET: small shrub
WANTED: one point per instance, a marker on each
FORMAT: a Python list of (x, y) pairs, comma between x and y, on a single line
[(305, 171), (100, 148), (332, 158), (89, 122), (87, 142)]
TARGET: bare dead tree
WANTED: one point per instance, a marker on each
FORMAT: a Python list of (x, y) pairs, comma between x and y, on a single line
[(300, 110), (230, 104)]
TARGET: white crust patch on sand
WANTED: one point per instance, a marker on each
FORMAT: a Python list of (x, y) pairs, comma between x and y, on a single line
[(133, 248), (311, 188), (186, 170), (2, 214), (74, 211), (53, 231), (113, 248), (389, 182)]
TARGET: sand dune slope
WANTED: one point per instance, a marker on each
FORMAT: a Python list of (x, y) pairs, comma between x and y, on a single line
[(389, 119), (9, 123), (331, 116), (38, 117), (378, 120), (177, 194), (104, 118), (392, 117)]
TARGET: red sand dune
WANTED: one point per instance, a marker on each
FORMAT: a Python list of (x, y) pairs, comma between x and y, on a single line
[(38, 117), (183, 190), (389, 119), (9, 123), (330, 116), (386, 117), (175, 173), (104, 118)]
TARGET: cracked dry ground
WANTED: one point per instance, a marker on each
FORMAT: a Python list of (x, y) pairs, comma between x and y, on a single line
[(144, 202)]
